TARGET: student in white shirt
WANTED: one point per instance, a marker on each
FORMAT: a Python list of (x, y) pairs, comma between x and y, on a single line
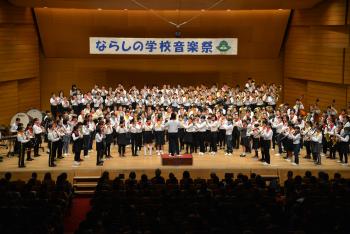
[(296, 137), (316, 140), (266, 143), (173, 126), (99, 137), (202, 128), (228, 134), (214, 131)]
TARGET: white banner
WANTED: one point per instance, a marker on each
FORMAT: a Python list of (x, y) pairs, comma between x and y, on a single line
[(163, 46)]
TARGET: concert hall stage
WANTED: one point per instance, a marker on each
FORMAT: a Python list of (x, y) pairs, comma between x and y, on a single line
[(202, 166)]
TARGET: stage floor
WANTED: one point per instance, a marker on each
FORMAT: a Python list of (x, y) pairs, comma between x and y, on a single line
[(202, 166)]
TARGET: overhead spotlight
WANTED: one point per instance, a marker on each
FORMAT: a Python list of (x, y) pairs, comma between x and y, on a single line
[(99, 9), (228, 10), (125, 9), (202, 10)]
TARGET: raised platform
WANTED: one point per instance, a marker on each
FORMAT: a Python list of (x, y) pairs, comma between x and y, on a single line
[(202, 166), (180, 160)]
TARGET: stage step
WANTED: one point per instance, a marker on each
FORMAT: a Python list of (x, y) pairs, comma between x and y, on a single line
[(85, 185)]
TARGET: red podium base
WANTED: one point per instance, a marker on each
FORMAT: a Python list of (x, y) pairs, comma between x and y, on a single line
[(183, 160)]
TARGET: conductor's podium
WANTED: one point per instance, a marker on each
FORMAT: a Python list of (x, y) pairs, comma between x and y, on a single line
[(183, 160)]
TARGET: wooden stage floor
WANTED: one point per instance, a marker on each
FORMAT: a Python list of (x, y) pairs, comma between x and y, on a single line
[(202, 166)]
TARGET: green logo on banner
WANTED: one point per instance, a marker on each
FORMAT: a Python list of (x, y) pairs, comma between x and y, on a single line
[(223, 46)]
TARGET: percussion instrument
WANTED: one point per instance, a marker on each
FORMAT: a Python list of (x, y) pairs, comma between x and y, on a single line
[(22, 116), (34, 113)]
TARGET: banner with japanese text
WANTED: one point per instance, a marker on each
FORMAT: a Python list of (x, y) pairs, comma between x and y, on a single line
[(163, 46)]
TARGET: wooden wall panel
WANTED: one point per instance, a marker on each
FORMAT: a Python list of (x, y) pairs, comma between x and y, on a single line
[(314, 63), (330, 12), (18, 15), (28, 95), (19, 61), (314, 52), (326, 93), (9, 100), (347, 66), (294, 89)]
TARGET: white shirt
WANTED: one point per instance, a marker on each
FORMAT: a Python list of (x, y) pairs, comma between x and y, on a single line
[(37, 129)]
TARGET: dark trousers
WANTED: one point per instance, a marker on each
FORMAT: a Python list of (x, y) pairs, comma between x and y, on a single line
[(265, 150), (37, 143), (296, 150), (121, 149), (99, 149), (214, 141), (343, 151), (308, 148), (235, 138), (201, 141), (77, 154), (22, 151), (221, 138), (134, 145), (332, 150), (59, 148), (274, 138), (174, 143), (108, 149), (279, 142), (53, 152), (86, 139)]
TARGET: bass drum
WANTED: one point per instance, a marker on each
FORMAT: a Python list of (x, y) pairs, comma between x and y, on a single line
[(23, 117), (34, 113)]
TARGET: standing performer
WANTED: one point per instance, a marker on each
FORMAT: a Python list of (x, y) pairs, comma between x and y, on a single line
[(317, 146), (188, 135), (222, 132), (295, 136), (53, 138), (77, 136), (343, 139), (228, 135), (173, 126), (159, 135), (67, 130), (99, 146), (202, 128), (122, 138), (54, 103), (306, 133), (86, 138), (38, 130), (266, 143), (256, 140), (148, 137), (30, 135), (23, 141), (214, 127), (109, 138), (133, 135)]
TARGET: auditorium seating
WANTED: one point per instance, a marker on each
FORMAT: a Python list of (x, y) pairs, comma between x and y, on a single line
[(34, 207), (306, 204)]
